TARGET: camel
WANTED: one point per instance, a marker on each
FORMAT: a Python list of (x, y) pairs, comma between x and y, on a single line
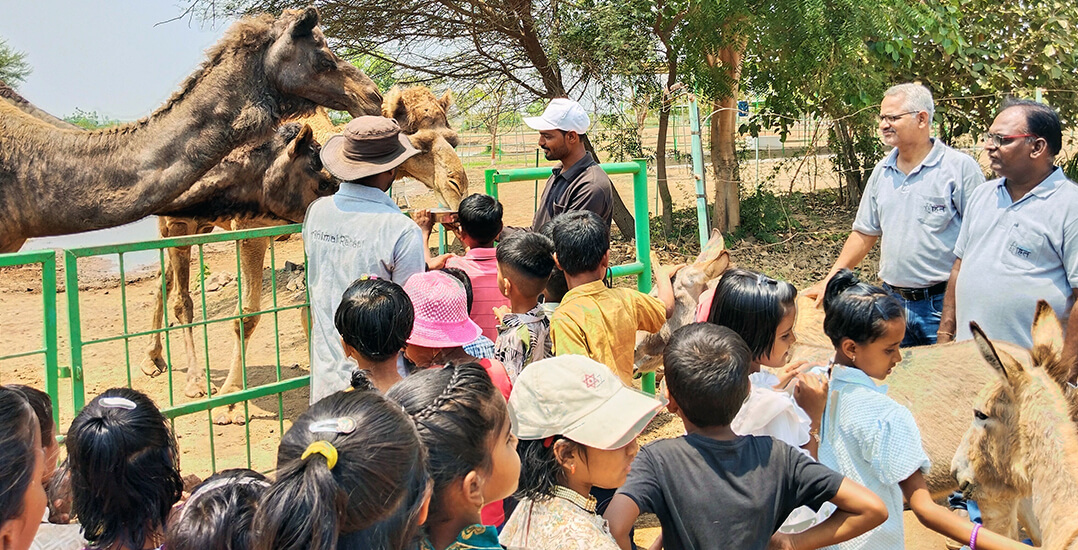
[(8, 94), (264, 70), (424, 118), (1023, 441), (254, 186)]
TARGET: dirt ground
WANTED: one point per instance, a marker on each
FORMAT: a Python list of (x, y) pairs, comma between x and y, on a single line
[(801, 256)]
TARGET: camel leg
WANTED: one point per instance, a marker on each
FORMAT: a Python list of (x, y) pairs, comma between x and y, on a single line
[(252, 258), (183, 308), (155, 364)]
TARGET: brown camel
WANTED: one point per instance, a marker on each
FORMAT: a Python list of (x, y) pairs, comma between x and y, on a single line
[(262, 186), (424, 118), (56, 181), (1023, 441), (8, 94)]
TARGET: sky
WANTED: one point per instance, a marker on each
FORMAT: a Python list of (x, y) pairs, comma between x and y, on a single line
[(104, 56)]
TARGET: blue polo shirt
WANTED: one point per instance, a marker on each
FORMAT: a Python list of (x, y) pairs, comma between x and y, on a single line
[(1015, 253), (918, 216)]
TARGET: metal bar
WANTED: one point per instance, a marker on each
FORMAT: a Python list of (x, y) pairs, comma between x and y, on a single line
[(123, 305), (189, 240), (236, 397), (49, 337), (191, 324), (488, 177), (276, 331), (74, 322), (698, 171)]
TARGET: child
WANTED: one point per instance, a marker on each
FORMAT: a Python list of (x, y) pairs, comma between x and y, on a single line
[(578, 425), (125, 472), (594, 320), (480, 219), (556, 287), (713, 488), (762, 311), (349, 462), (42, 405), (442, 327), (866, 435), (482, 347), (524, 264), (22, 466), (219, 512), (463, 422), (375, 319)]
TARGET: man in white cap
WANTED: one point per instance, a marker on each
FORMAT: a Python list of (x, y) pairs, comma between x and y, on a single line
[(358, 231), (578, 183)]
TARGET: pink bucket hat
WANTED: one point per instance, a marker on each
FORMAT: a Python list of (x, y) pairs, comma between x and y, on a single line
[(441, 311)]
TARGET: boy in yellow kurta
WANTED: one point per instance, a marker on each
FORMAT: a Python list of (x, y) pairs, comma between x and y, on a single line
[(594, 320)]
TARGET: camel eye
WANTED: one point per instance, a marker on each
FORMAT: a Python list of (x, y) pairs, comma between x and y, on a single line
[(979, 415)]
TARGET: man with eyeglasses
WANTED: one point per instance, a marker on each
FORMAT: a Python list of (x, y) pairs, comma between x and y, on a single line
[(913, 204), (1019, 240)]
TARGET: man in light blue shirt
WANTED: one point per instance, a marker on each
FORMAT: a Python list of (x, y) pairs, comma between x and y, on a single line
[(913, 204), (1019, 241), (358, 231)]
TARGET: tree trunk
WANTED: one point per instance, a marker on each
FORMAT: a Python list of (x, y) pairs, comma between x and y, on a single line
[(660, 150), (848, 163), (723, 143), (621, 215)]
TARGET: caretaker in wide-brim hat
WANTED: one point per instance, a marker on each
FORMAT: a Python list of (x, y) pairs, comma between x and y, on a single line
[(369, 145)]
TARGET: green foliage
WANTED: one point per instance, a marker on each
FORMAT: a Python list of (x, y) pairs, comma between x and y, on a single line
[(382, 72), (13, 66), (90, 120), (620, 138), (1070, 168), (765, 214)]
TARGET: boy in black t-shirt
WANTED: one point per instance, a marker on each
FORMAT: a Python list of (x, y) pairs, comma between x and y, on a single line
[(713, 488)]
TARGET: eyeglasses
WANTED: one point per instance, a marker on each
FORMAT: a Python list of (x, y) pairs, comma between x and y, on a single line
[(891, 119), (999, 140)]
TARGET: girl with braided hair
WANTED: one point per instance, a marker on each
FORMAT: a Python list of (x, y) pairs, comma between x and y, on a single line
[(464, 423), (351, 474)]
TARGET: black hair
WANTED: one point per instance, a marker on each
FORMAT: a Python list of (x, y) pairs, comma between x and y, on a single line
[(18, 453), (42, 405), (125, 471), (540, 470), (375, 317), (462, 276), (1041, 121), (707, 373), (361, 381), (580, 240), (527, 259), (556, 286), (480, 216), (457, 413), (219, 512), (857, 310), (379, 459), (752, 305)]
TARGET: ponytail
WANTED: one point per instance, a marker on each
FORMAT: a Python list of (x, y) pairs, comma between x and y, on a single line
[(857, 310)]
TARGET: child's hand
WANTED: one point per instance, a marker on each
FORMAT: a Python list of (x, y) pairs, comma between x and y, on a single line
[(787, 373), (424, 219), (780, 541), (438, 262), (811, 394)]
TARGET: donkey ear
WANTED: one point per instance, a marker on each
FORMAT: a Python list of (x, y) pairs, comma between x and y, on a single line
[(302, 143), (1046, 329), (714, 259), (305, 23), (1006, 366)]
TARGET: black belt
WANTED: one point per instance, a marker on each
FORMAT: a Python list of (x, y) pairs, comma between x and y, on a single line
[(916, 294)]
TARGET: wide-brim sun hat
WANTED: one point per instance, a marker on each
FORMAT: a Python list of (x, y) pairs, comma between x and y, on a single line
[(581, 399), (369, 145), (441, 311), (562, 114)]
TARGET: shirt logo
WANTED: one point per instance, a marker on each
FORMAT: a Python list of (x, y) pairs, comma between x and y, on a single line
[(931, 208), (1018, 250)]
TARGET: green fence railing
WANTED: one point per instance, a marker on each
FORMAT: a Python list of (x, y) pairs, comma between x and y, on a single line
[(83, 346), (49, 350), (641, 266)]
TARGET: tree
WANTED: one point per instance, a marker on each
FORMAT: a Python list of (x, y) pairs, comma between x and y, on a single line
[(13, 66)]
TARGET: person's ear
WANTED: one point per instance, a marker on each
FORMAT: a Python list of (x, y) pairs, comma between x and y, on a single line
[(923, 119), (506, 284), (9, 531), (605, 262), (472, 489), (1040, 147), (564, 452), (424, 509), (557, 263), (671, 405), (848, 347), (349, 351)]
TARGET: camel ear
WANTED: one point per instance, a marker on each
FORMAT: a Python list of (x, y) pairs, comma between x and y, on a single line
[(1006, 366), (446, 100), (305, 23), (714, 259), (302, 143), (393, 106)]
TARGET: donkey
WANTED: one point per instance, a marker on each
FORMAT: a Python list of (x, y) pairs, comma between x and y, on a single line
[(1023, 442)]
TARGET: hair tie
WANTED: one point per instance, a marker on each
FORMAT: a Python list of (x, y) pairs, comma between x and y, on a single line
[(324, 448), (548, 442), (117, 403)]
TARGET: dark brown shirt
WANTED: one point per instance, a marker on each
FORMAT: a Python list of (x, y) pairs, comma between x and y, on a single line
[(582, 186)]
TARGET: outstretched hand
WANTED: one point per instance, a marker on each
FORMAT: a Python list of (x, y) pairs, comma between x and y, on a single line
[(788, 372), (811, 393), (816, 292)]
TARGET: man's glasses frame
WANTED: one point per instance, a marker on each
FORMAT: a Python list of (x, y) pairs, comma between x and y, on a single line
[(999, 140), (891, 119)]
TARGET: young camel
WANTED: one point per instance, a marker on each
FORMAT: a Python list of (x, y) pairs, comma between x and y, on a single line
[(1023, 441), (54, 181), (255, 186)]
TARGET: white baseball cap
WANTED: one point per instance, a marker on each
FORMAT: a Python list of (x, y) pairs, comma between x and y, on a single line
[(561, 114), (578, 398)]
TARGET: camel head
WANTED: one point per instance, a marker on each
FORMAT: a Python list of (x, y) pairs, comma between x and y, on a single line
[(424, 118), (301, 66), (689, 283), (995, 459), (295, 177)]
